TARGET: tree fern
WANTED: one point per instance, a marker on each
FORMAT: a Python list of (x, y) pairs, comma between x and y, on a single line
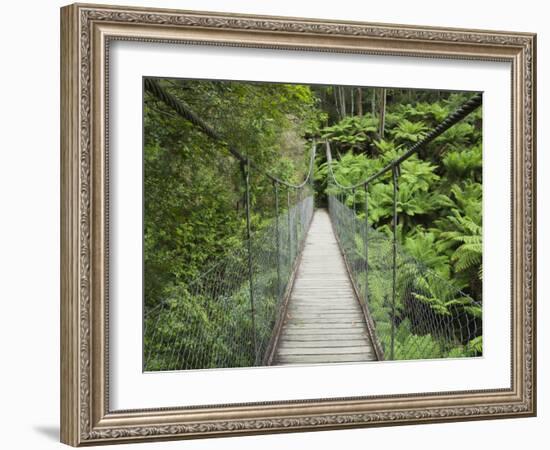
[(409, 132), (469, 254), (351, 131), (463, 163)]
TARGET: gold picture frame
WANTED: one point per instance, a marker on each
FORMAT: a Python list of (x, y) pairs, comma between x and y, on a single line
[(86, 32)]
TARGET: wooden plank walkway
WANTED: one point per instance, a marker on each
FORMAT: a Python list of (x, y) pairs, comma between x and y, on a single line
[(324, 321)]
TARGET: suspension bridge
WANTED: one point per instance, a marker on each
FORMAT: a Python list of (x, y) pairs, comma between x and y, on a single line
[(314, 286), (324, 322)]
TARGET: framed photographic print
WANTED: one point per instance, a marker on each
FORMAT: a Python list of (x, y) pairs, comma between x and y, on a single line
[(275, 224)]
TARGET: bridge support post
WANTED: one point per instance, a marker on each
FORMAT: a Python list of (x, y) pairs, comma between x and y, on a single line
[(279, 287), (297, 223), (395, 169), (289, 231), (366, 244), (354, 227), (246, 174)]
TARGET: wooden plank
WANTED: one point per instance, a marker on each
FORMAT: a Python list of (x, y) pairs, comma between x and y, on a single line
[(329, 317), (334, 337), (343, 328), (364, 349), (320, 327), (323, 302), (321, 306), (338, 315), (324, 337), (324, 344), (324, 291), (319, 312), (326, 299), (324, 321), (347, 309), (323, 359)]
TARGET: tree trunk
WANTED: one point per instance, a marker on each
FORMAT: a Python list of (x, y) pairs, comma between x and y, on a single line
[(338, 115), (342, 101), (382, 113), (359, 99)]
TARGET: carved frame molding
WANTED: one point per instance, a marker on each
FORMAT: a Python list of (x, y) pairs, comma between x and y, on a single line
[(86, 31)]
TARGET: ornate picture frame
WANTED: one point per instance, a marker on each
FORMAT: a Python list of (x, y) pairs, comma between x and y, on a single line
[(86, 34)]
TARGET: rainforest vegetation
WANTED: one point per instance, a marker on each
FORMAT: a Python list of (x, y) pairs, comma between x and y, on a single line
[(194, 194)]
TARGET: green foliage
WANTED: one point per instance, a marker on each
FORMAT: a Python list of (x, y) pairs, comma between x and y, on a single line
[(191, 325), (439, 195), (441, 296), (407, 132), (463, 164), (352, 131), (194, 194), (472, 348), (421, 246), (387, 147), (194, 204), (431, 112), (460, 235), (194, 207), (439, 211)]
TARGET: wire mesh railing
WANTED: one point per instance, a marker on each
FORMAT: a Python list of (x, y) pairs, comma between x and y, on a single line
[(227, 316), (414, 314)]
